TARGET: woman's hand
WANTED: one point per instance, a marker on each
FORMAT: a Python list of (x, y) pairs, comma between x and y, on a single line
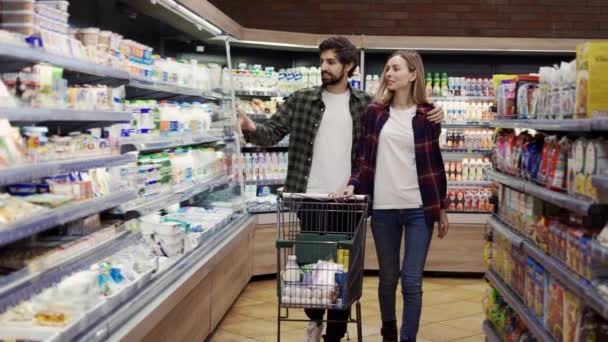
[(436, 115), (444, 225), (349, 191)]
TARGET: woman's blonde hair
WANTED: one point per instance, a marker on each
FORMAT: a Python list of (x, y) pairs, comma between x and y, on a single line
[(418, 89)]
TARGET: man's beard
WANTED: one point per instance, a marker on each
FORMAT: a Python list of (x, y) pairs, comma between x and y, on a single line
[(332, 79)]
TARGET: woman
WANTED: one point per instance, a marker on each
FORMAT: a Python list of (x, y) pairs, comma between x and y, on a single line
[(399, 164)]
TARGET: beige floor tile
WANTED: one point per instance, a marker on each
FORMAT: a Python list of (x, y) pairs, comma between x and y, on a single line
[(244, 301), (263, 310), (470, 323), (232, 318), (224, 336), (439, 332), (476, 338)]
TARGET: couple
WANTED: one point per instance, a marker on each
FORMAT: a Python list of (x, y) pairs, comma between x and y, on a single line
[(343, 142)]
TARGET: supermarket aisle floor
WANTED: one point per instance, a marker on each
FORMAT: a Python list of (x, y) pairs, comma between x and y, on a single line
[(452, 311)]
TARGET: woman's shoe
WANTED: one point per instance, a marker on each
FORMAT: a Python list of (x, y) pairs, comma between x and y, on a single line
[(389, 331)]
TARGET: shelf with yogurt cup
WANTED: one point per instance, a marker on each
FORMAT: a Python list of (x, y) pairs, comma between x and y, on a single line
[(532, 322), (564, 200), (581, 287), (119, 323), (47, 219), (149, 89), (79, 320), (490, 332), (27, 172), (178, 194), (151, 143), (50, 268), (14, 57), (28, 115)]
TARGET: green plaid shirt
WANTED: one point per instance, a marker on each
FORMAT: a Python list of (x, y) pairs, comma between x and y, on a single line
[(300, 117)]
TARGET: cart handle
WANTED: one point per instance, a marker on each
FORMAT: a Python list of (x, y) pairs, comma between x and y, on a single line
[(321, 197)]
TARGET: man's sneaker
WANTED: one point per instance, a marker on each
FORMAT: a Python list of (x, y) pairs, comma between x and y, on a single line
[(314, 330)]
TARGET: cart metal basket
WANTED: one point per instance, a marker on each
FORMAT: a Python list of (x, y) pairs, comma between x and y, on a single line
[(320, 254)]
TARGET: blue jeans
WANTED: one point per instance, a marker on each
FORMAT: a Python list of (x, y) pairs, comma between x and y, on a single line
[(387, 228)]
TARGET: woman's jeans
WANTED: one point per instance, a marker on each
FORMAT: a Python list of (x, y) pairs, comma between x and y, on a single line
[(388, 227)]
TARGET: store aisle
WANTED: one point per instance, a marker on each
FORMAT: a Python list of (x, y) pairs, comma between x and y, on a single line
[(452, 311)]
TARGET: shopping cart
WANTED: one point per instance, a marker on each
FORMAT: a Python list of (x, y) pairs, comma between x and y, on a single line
[(320, 253)]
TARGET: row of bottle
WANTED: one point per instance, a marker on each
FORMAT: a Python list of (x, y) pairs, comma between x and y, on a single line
[(261, 166), (256, 78), (442, 85), (466, 111), (167, 118), (467, 170), (469, 199), (477, 139)]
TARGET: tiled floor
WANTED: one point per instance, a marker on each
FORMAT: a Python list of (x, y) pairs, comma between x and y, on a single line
[(452, 311)]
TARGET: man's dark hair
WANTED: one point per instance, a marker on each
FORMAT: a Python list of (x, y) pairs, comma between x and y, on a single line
[(344, 49)]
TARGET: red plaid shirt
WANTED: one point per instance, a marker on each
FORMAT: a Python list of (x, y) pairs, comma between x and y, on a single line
[(429, 162)]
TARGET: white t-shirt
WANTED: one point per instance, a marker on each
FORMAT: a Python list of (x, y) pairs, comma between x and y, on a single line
[(396, 179), (331, 157)]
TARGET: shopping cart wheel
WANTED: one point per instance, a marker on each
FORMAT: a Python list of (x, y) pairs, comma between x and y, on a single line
[(359, 324)]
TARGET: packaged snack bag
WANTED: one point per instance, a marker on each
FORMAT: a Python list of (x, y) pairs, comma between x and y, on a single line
[(592, 80)]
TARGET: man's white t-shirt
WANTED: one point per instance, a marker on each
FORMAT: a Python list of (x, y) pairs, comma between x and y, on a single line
[(396, 180), (331, 157)]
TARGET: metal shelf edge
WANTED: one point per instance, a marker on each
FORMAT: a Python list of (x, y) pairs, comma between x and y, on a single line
[(490, 332), (522, 310), (29, 114)]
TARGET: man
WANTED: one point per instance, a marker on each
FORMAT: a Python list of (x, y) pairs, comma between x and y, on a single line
[(324, 123)]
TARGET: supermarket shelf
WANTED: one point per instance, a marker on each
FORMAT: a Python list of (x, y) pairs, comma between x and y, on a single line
[(563, 200), (461, 98), (116, 324), (262, 93), (566, 125), (145, 206), (464, 124), (145, 89), (556, 268), (155, 143), (14, 57), (601, 182), (599, 124), (535, 326), (490, 332), (28, 172), (458, 155), (51, 218), (28, 284), (265, 182), (280, 147), (28, 114), (470, 184)]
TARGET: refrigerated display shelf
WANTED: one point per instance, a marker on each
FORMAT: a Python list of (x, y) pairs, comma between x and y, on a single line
[(146, 206), (581, 287), (29, 114), (470, 183), (14, 57), (460, 155), (146, 89), (25, 284), (563, 200), (28, 172), (48, 219), (490, 332), (263, 182), (149, 144), (533, 323), (464, 124), (262, 93), (118, 323), (563, 125), (461, 98)]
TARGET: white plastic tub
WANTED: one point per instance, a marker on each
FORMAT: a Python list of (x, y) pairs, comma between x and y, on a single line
[(52, 13), (60, 5)]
